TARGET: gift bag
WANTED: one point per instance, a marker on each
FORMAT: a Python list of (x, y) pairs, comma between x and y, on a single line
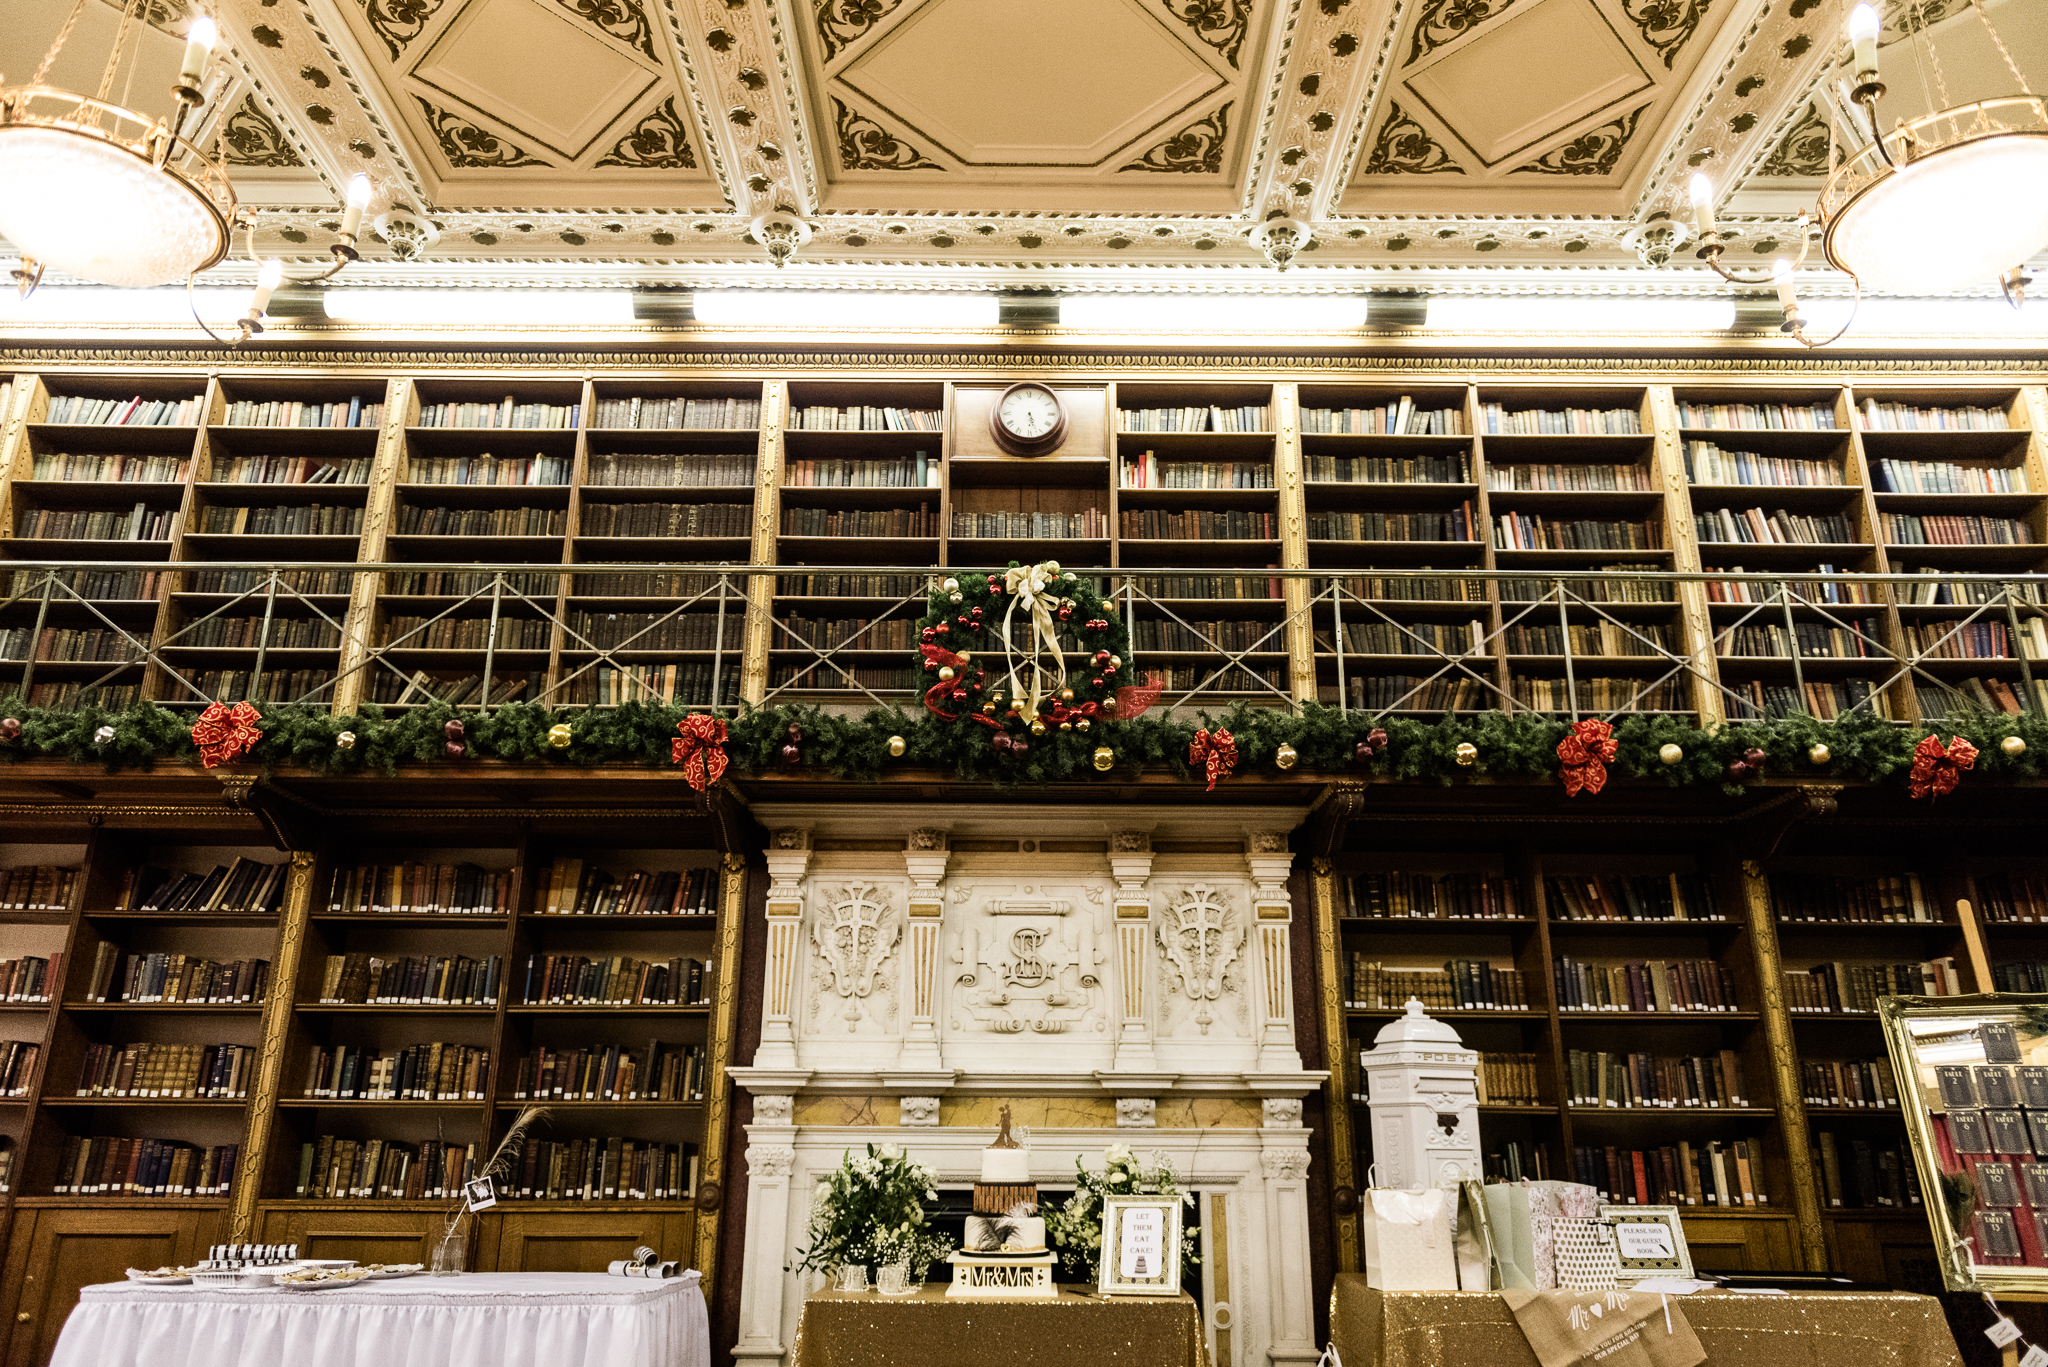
[(1473, 1240), (1605, 1329), (1587, 1257), (1507, 1218), (1409, 1243), (1523, 1216)]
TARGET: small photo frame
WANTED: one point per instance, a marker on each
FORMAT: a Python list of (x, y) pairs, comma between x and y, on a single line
[(1650, 1242), (1966, 1131), (2034, 1088), (2008, 1132), (2001, 1235), (1140, 1246), (480, 1193), (1958, 1088), (2001, 1042), (1994, 1086), (1997, 1186)]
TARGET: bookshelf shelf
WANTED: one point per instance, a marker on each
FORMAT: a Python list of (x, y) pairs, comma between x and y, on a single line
[(389, 1009), (161, 1009), (151, 1103)]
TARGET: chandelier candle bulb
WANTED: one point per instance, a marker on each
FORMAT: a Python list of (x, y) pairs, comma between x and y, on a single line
[(1703, 206), (358, 202), (199, 41), (267, 280), (1863, 30)]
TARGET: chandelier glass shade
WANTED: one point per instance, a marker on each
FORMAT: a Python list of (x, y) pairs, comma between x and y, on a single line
[(1943, 202), (98, 192)]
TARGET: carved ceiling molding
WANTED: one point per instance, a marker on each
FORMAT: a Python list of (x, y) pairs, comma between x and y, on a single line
[(1666, 25), (464, 144), (658, 142), (1803, 149), (744, 69), (1220, 24), (1195, 150), (1405, 147), (1344, 166), (842, 23), (251, 137), (1444, 21), (1319, 78), (624, 20), (719, 151), (865, 145), (168, 15), (1767, 71), (398, 23), (1595, 152)]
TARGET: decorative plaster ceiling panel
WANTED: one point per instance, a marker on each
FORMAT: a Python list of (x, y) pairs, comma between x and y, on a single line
[(1541, 69), (1052, 83), (546, 76)]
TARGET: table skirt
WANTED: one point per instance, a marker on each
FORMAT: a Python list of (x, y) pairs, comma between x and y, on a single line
[(486, 1319), (931, 1329)]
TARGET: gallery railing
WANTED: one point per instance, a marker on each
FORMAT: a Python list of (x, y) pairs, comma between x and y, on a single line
[(1721, 633)]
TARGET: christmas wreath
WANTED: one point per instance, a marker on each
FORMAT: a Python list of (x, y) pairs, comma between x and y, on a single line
[(1023, 651)]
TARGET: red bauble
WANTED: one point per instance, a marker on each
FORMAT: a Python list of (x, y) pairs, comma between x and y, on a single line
[(1097, 681), (1754, 758), (943, 627), (1362, 751), (974, 612), (792, 754), (454, 748), (1001, 742), (926, 634), (1020, 747), (453, 730), (959, 695), (10, 728), (1737, 768)]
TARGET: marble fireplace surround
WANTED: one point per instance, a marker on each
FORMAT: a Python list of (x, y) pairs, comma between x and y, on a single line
[(1119, 974)]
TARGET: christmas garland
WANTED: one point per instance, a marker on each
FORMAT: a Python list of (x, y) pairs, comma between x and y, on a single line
[(1858, 748)]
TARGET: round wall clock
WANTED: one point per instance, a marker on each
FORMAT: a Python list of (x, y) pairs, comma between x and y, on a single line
[(1028, 420)]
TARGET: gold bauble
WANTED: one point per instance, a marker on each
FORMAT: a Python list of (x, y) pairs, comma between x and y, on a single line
[(1066, 726), (956, 597), (1037, 727), (988, 709), (1109, 704), (1052, 567), (897, 745), (1819, 754), (1670, 754), (2014, 746), (1467, 754), (1116, 661), (1016, 704), (1286, 756), (1104, 758), (559, 735), (1081, 725), (1066, 695), (949, 586), (946, 674), (964, 656)]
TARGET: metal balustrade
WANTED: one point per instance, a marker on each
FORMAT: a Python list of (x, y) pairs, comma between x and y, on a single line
[(787, 659)]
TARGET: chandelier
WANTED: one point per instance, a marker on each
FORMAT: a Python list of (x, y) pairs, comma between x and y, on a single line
[(96, 190), (1939, 202)]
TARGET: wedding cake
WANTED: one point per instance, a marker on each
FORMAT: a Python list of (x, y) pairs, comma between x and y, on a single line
[(1005, 1217)]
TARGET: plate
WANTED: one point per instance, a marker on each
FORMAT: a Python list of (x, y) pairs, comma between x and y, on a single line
[(378, 1272), (319, 1279), (326, 1264), (159, 1278)]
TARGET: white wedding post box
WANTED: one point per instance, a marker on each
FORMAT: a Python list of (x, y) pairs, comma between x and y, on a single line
[(1423, 1090)]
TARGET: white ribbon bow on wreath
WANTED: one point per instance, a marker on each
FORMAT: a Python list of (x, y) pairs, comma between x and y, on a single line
[(1028, 586)]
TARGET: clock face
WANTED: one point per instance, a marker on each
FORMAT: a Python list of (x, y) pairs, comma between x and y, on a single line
[(1028, 414)]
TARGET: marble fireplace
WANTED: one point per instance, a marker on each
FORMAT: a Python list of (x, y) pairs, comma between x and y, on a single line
[(1115, 974)]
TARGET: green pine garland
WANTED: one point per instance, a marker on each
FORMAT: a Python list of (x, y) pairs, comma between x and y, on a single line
[(1864, 749)]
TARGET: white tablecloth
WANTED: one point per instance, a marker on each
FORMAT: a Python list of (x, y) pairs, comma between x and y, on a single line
[(480, 1319)]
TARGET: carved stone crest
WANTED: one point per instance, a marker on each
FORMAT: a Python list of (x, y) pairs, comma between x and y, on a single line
[(1198, 945), (1137, 1113), (1027, 964), (854, 934), (917, 1110)]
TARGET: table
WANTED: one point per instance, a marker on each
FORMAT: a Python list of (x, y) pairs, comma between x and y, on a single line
[(1372, 1328), (868, 1329), (480, 1319)]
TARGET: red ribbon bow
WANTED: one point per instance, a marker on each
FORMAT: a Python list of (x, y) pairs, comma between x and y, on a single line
[(1937, 769), (1586, 753), (698, 750), (939, 655), (1134, 700), (223, 734), (1216, 752)]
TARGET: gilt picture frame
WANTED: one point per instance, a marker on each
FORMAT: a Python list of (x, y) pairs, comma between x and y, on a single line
[(1140, 1246)]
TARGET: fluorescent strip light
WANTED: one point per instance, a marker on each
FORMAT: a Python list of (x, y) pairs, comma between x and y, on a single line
[(479, 306), (64, 304), (844, 308), (1963, 317), (1213, 312), (1581, 315)]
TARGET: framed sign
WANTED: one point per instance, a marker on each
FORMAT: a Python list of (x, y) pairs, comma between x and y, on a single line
[(1649, 1241), (1973, 1086), (1140, 1246)]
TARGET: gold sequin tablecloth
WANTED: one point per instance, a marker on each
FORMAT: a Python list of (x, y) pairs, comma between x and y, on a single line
[(928, 1330), (1814, 1329)]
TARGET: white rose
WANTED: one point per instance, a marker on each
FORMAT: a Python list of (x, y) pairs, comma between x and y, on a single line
[(889, 1151), (1116, 1154)]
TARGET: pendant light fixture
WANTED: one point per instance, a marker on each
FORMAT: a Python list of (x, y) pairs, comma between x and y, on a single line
[(1940, 202), (101, 192)]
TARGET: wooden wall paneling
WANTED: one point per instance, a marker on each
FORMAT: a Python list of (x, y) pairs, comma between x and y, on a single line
[(1743, 1243), (66, 1249), (369, 1233), (587, 1240)]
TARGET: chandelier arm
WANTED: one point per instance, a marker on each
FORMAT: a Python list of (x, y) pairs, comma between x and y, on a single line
[(345, 254), (1711, 254), (1798, 329), (193, 305)]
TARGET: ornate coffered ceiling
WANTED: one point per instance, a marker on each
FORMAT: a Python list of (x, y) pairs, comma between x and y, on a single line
[(1033, 143)]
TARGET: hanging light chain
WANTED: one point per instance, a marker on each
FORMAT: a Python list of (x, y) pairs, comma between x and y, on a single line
[(58, 46), (120, 45), (1984, 16)]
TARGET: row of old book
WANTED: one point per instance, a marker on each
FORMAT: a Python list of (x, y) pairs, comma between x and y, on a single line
[(1876, 1175), (206, 1072), (159, 976), (1632, 897), (1460, 985), (1834, 897), (604, 1169), (613, 1072), (576, 888), (1861, 1083), (1717, 1173), (31, 978), (622, 980), (340, 1168), (358, 979), (1835, 988), (115, 1165), (419, 889), (18, 1060), (290, 519), (1654, 985), (1602, 1079), (416, 1072), (245, 887)]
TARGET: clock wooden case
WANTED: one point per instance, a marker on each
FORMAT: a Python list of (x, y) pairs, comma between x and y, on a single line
[(1010, 420)]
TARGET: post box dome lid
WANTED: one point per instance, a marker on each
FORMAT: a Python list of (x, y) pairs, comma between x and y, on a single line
[(1416, 1027)]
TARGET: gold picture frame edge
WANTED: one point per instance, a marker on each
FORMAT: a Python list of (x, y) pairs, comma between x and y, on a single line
[(1112, 1206)]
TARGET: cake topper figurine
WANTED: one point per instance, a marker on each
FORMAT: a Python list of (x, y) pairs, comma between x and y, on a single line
[(1003, 1140)]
